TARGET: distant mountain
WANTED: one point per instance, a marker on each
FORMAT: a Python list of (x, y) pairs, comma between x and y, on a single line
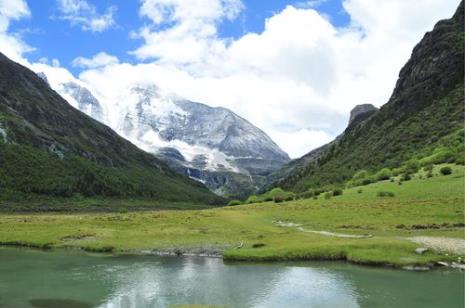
[(49, 148), (82, 99), (212, 145), (426, 104)]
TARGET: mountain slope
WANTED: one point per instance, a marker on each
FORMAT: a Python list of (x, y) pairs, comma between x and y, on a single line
[(211, 145), (297, 167), (426, 104), (49, 148)]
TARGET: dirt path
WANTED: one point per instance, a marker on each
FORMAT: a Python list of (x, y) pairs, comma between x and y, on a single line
[(327, 233), (452, 245)]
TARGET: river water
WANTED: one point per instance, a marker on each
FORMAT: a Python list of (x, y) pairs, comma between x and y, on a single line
[(70, 279)]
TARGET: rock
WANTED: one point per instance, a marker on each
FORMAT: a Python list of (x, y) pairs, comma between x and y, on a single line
[(458, 265), (441, 263), (421, 250), (359, 110), (418, 268)]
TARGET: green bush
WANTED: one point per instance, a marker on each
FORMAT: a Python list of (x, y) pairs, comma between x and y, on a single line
[(337, 192), (383, 174), (406, 177), (252, 199), (360, 175), (328, 195), (412, 166), (366, 181), (359, 191), (428, 168), (278, 199), (234, 202), (306, 194), (445, 170), (385, 194)]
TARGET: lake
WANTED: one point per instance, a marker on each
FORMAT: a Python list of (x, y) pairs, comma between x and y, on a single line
[(33, 278)]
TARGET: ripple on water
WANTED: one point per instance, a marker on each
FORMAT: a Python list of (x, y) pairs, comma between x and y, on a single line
[(59, 303)]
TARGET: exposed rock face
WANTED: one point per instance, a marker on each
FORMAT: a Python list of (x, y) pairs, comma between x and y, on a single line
[(361, 110), (359, 114), (86, 102)]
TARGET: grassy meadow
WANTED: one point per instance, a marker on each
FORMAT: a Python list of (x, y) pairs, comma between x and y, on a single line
[(271, 231)]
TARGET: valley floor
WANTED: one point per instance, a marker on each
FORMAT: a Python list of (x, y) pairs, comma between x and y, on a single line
[(358, 226)]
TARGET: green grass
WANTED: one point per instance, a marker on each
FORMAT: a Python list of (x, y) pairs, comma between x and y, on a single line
[(436, 201)]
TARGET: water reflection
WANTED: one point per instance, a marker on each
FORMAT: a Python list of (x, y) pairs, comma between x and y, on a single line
[(35, 279)]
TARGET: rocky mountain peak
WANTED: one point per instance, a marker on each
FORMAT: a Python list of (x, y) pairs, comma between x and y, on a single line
[(361, 109)]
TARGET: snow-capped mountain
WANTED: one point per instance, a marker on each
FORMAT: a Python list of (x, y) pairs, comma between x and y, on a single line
[(212, 145), (82, 99)]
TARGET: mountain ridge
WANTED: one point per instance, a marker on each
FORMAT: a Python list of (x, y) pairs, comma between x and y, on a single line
[(50, 148), (212, 145), (426, 104)]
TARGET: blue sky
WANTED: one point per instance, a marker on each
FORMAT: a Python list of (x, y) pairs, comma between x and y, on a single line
[(53, 37), (294, 68)]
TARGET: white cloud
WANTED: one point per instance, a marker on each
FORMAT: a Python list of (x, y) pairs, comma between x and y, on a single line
[(193, 35), (10, 43), (85, 15), (298, 142), (99, 60), (297, 80)]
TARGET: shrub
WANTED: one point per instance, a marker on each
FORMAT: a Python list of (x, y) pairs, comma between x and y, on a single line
[(412, 166), (429, 174), (307, 194), (383, 174), (366, 181), (278, 199), (276, 191), (268, 198), (289, 197), (337, 192), (360, 175), (445, 170), (328, 195), (428, 168), (406, 177), (360, 191), (234, 202), (252, 199), (385, 194)]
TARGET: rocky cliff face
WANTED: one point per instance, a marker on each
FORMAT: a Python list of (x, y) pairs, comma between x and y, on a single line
[(359, 114)]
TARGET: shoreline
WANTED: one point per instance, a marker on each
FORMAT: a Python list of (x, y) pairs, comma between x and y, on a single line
[(210, 252)]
